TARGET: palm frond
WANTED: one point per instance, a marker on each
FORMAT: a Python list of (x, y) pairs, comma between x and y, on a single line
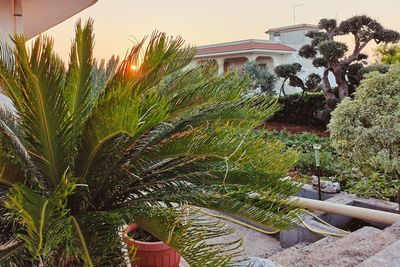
[(8, 78), (131, 116), (262, 206), (44, 116), (46, 222), (15, 255), (190, 233), (15, 164), (200, 87), (107, 161), (79, 89), (230, 144), (99, 235)]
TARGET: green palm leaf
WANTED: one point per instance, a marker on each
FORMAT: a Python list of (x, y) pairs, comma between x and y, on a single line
[(46, 222), (15, 163), (43, 114), (190, 233), (79, 92)]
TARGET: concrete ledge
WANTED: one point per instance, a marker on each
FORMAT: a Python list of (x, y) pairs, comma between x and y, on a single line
[(309, 192), (301, 234)]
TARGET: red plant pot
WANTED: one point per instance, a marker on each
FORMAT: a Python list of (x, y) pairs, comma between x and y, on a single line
[(151, 254)]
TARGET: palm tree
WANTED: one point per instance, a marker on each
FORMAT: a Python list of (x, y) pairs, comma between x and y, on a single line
[(91, 149)]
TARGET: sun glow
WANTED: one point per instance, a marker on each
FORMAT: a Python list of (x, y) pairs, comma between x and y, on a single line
[(134, 67)]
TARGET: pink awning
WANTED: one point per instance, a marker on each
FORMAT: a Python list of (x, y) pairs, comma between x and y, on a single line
[(40, 15)]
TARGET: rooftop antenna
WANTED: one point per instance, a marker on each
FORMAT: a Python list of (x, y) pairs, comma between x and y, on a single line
[(294, 10)]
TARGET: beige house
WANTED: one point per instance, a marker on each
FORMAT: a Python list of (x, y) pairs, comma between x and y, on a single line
[(32, 17), (281, 47)]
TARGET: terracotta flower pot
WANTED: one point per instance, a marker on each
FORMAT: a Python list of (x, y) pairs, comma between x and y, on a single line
[(151, 254)]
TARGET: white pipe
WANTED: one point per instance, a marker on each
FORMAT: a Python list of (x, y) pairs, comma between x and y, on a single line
[(364, 214)]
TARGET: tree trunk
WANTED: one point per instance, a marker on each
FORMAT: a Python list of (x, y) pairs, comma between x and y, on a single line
[(343, 89), (326, 86), (330, 98), (341, 81)]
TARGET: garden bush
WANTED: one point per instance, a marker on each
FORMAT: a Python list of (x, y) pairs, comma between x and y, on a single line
[(300, 110), (334, 167), (374, 184), (366, 130), (331, 164), (261, 79)]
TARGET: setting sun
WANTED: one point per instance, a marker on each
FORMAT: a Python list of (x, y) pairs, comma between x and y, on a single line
[(134, 67)]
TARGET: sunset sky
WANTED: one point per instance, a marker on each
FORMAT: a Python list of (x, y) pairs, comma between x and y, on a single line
[(118, 22)]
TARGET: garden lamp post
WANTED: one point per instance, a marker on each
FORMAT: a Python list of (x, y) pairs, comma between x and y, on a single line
[(317, 148)]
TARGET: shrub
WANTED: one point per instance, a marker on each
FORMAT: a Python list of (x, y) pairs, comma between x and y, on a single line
[(300, 110), (331, 164), (366, 130), (260, 77), (369, 185)]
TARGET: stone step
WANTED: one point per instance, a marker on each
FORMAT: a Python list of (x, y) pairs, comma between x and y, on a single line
[(320, 254), (290, 256), (388, 257), (353, 249)]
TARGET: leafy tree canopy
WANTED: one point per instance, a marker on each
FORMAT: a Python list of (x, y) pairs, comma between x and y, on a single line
[(388, 54)]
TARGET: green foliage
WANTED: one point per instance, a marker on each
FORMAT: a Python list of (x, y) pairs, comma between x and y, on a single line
[(96, 147), (381, 68), (286, 70), (388, 54), (332, 50), (303, 142), (368, 29), (366, 130), (334, 167), (373, 184), (46, 220), (299, 109), (331, 164), (260, 77)]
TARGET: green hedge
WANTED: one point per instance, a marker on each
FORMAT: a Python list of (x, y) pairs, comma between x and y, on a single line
[(300, 110)]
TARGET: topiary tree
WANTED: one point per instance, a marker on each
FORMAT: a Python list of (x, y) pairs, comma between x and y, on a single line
[(333, 56), (366, 130), (261, 78), (289, 72)]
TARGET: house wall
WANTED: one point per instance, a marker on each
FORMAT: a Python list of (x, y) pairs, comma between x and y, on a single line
[(290, 37), (293, 38), (6, 19), (230, 62), (10, 19)]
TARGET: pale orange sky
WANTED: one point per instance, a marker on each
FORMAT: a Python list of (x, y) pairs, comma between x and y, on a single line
[(209, 21)]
